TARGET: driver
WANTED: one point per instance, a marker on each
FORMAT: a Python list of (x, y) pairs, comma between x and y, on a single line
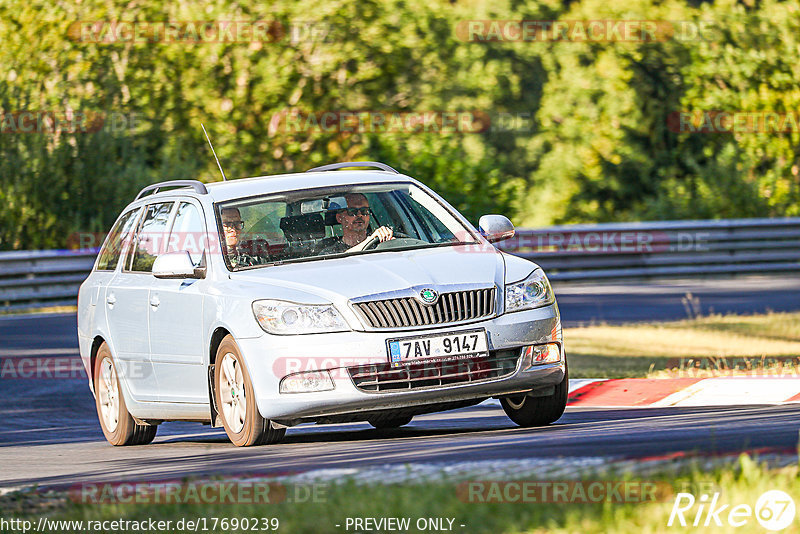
[(232, 225), (355, 223)]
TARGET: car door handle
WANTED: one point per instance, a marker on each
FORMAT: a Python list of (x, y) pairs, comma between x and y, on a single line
[(111, 300), (154, 302)]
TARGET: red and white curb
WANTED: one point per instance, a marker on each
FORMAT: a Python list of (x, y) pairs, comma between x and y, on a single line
[(665, 392)]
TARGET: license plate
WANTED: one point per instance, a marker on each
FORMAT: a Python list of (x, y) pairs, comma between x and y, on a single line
[(443, 346)]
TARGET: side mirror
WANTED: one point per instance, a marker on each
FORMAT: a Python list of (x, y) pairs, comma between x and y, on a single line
[(178, 265), (495, 228)]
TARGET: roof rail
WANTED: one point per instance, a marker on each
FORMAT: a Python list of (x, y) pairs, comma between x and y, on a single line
[(334, 166), (198, 186)]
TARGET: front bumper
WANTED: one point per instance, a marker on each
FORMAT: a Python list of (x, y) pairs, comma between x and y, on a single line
[(269, 358)]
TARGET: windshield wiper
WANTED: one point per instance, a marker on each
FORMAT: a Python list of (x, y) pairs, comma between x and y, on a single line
[(355, 253), (418, 246)]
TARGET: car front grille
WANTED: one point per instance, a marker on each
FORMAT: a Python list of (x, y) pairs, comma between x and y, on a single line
[(419, 374), (456, 306)]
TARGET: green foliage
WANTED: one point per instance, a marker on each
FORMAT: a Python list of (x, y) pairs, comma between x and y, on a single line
[(599, 148), (606, 151)]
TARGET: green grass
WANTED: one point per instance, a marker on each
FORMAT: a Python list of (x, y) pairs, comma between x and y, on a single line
[(637, 350), (741, 482)]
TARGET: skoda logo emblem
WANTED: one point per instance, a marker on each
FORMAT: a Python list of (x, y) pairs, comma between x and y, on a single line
[(428, 296)]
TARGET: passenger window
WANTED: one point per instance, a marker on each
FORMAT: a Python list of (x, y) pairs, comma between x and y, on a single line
[(188, 232), (150, 237), (117, 238)]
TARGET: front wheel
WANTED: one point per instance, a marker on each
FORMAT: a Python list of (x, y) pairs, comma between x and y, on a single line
[(537, 411), (119, 427), (236, 401)]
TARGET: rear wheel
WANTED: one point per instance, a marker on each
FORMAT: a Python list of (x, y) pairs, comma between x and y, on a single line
[(236, 401), (396, 422), (119, 427), (529, 411)]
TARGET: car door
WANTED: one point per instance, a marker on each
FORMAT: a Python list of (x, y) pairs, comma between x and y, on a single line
[(93, 292), (127, 303), (177, 345)]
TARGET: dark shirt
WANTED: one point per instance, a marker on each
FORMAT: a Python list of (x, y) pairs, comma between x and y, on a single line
[(239, 258), (336, 246)]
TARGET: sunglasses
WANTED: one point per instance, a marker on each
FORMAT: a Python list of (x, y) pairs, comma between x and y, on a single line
[(237, 225), (360, 211)]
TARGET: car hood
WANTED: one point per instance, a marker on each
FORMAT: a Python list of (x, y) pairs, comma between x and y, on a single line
[(337, 280)]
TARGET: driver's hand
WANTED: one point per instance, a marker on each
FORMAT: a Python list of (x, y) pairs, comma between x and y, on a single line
[(384, 233)]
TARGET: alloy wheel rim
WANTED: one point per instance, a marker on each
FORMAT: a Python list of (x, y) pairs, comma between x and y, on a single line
[(232, 393), (109, 395), (512, 402)]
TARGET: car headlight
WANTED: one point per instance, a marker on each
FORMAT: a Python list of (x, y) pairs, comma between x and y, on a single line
[(282, 317), (533, 292)]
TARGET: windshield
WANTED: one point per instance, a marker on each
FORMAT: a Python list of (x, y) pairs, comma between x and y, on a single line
[(333, 222)]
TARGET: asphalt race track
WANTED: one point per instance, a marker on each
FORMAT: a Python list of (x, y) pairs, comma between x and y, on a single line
[(50, 434)]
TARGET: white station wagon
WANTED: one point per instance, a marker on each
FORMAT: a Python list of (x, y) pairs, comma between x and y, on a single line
[(320, 297)]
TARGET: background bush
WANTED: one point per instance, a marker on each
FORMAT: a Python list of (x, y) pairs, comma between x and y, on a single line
[(597, 147)]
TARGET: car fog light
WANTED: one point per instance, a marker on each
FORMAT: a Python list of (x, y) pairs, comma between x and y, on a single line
[(307, 382), (540, 354)]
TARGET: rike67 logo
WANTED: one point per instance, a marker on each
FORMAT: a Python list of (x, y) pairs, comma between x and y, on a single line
[(774, 510)]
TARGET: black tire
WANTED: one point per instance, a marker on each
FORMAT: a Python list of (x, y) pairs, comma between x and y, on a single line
[(251, 429), (110, 403), (384, 424), (538, 411)]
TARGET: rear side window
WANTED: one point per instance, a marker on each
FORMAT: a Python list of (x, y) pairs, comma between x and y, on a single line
[(150, 237), (117, 238)]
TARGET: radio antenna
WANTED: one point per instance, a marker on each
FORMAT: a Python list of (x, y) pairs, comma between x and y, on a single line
[(213, 152)]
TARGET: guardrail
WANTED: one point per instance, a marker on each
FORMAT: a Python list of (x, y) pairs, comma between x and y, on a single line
[(662, 249), (585, 252), (40, 278)]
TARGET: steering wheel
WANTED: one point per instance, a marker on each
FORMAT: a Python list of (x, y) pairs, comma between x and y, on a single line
[(400, 242), (374, 242)]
